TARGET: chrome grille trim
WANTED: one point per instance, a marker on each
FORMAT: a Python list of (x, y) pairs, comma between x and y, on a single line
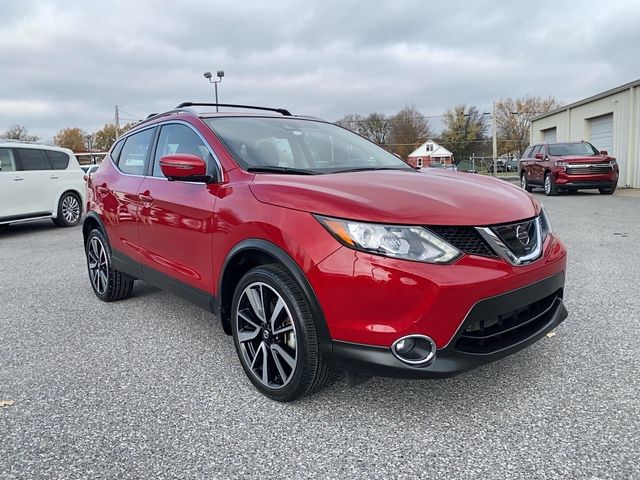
[(505, 252)]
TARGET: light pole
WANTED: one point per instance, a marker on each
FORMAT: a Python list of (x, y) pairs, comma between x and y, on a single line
[(90, 143), (208, 76)]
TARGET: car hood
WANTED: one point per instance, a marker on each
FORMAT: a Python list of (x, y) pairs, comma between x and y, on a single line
[(400, 197)]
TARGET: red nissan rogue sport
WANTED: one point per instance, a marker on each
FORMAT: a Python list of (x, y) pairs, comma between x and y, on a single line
[(319, 250)]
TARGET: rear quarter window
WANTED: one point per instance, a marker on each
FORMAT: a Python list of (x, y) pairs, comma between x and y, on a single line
[(59, 160)]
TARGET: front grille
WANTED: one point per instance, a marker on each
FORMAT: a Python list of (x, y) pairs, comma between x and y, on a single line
[(465, 239), (588, 169), (496, 332)]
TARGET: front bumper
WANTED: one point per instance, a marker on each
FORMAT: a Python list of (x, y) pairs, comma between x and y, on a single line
[(458, 355)]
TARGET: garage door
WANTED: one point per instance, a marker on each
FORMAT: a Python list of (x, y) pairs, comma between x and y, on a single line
[(549, 135), (602, 132)]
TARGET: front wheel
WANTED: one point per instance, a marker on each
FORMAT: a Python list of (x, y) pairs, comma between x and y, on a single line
[(275, 336), (69, 210), (607, 191), (524, 183), (550, 188)]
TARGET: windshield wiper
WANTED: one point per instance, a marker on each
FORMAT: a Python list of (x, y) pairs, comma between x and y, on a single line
[(364, 169), (276, 169)]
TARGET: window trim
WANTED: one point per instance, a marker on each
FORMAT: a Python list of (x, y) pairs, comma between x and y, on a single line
[(151, 148)]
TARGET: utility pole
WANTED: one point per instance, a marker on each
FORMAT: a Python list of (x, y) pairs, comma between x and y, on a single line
[(117, 122), (495, 140)]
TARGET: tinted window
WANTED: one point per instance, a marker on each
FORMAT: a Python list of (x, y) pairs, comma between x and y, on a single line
[(7, 162), (535, 150), (527, 152), (32, 159), (115, 152), (59, 160), (176, 138), (133, 157)]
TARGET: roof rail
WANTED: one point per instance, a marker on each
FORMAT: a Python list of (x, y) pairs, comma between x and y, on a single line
[(282, 111), (170, 112)]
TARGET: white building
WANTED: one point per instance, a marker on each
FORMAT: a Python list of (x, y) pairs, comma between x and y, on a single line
[(609, 120)]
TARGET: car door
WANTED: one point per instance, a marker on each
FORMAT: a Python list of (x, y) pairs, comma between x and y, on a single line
[(116, 193), (535, 166), (176, 217), (13, 191), (39, 178)]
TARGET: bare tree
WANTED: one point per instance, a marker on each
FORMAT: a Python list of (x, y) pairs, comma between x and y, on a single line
[(464, 130), (19, 132), (351, 121), (408, 130), (513, 119)]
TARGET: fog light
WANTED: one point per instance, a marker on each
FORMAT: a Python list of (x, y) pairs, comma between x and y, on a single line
[(414, 350)]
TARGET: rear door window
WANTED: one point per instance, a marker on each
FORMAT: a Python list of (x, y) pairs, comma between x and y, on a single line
[(135, 152), (527, 152), (32, 159), (59, 160)]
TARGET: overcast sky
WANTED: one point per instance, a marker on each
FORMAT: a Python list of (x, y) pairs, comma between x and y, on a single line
[(67, 63)]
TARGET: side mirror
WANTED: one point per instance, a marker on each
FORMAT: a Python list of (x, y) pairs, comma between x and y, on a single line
[(539, 156), (185, 167), (604, 152)]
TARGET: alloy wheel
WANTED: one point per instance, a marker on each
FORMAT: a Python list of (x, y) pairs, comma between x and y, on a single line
[(98, 265), (267, 335), (71, 209), (547, 184), (523, 182)]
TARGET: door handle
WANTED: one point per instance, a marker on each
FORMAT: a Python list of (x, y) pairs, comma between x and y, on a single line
[(103, 191), (146, 199), (53, 177), (18, 179)]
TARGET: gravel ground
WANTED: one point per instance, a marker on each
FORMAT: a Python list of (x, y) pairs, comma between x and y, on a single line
[(151, 388)]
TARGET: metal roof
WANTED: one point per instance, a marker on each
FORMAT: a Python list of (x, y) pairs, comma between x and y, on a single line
[(608, 93)]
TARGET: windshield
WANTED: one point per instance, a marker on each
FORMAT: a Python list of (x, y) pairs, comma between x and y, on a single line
[(293, 145), (582, 149)]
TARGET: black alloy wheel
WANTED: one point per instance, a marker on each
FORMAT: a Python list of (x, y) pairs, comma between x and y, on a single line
[(274, 335), (108, 283)]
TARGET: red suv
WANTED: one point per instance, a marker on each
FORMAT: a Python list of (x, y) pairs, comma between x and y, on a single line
[(568, 166), (318, 249)]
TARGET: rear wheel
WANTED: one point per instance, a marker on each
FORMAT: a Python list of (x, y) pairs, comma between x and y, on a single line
[(550, 188), (275, 336), (524, 183), (69, 210), (108, 283), (607, 191)]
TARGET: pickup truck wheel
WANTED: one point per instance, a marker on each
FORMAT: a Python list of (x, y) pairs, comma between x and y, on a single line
[(550, 188), (69, 210), (524, 183), (275, 336), (108, 283)]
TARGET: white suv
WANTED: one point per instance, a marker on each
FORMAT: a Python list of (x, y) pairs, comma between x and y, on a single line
[(40, 181)]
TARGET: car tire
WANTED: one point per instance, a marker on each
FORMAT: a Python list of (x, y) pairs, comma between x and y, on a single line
[(108, 284), (524, 183), (275, 336), (606, 191), (69, 210), (550, 188)]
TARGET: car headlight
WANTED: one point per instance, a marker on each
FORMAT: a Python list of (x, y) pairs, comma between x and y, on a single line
[(405, 242), (545, 222)]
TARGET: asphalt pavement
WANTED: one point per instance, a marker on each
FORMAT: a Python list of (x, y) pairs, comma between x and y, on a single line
[(151, 387)]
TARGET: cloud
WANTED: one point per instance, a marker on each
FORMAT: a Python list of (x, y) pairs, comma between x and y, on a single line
[(67, 63)]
